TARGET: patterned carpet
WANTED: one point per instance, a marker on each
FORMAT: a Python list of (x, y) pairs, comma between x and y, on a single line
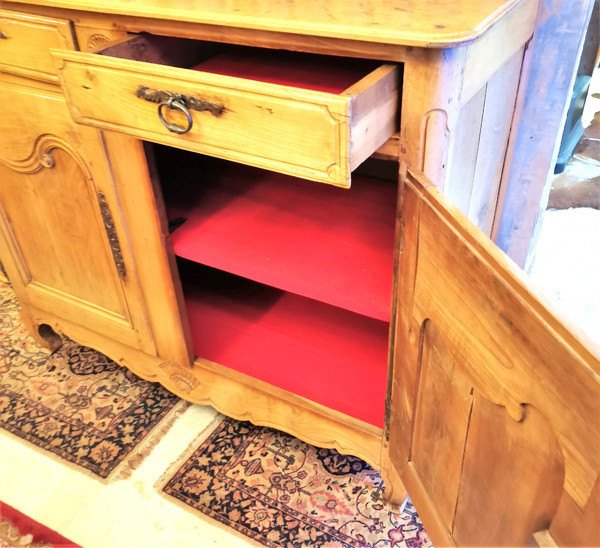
[(283, 492), (77, 404)]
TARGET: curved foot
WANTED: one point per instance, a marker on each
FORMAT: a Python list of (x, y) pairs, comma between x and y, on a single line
[(394, 493)]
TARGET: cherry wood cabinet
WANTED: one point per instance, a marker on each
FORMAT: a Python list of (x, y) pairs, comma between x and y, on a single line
[(178, 194)]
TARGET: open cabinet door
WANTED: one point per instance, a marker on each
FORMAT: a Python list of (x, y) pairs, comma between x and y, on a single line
[(494, 405)]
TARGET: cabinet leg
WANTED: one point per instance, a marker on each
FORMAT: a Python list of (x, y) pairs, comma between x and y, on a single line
[(394, 493)]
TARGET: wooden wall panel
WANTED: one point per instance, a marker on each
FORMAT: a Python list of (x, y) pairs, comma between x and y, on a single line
[(531, 460)]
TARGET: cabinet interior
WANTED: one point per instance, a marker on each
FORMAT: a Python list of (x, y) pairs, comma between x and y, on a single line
[(285, 280)]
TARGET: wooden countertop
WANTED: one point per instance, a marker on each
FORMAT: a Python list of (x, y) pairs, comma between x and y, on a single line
[(423, 23)]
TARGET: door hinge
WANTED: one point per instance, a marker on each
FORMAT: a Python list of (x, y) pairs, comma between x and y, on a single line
[(111, 232)]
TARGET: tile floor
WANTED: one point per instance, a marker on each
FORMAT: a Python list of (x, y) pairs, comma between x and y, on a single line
[(122, 514)]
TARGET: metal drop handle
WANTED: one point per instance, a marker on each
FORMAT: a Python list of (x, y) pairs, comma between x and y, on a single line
[(173, 103)]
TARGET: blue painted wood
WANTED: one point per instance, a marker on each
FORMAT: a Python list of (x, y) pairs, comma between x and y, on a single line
[(553, 57)]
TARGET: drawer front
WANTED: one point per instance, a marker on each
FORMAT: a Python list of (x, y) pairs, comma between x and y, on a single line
[(309, 134), (26, 41)]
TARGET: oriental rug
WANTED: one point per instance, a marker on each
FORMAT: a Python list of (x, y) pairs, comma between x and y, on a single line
[(20, 531), (77, 404), (283, 492)]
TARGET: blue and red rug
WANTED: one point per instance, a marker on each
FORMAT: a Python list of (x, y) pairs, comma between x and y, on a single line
[(77, 404), (283, 492)]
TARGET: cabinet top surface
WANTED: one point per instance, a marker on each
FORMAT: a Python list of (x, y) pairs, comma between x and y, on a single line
[(424, 23)]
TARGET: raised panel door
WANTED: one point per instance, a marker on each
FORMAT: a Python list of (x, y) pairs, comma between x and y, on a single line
[(63, 242)]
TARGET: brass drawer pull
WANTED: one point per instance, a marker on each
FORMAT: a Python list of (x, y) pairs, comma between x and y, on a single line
[(178, 105)]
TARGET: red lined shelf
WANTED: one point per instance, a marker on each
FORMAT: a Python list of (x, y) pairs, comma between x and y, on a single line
[(319, 73), (328, 244), (323, 353)]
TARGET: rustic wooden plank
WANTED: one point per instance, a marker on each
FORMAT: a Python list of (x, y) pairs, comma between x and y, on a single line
[(459, 184), (438, 446), (493, 139), (500, 454), (486, 56)]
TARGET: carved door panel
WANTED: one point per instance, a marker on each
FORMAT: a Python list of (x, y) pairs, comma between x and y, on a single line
[(61, 236), (494, 423)]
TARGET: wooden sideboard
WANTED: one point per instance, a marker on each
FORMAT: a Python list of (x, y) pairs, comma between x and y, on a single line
[(187, 189)]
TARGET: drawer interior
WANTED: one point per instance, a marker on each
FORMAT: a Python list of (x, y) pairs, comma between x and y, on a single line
[(323, 73), (284, 280)]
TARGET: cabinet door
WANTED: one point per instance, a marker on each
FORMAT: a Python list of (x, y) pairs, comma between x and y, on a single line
[(61, 237), (494, 423)]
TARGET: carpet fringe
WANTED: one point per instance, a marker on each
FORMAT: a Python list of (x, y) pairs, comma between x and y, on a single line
[(124, 470), (132, 462), (187, 453), (177, 463)]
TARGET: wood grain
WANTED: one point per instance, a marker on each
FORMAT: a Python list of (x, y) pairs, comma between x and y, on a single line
[(138, 187), (58, 252), (443, 392), (500, 97), (514, 470), (423, 24), (544, 94)]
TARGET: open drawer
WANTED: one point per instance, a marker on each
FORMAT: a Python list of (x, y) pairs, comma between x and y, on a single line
[(310, 116)]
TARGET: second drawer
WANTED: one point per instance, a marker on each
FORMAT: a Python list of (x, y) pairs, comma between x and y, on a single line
[(25, 40), (309, 116)]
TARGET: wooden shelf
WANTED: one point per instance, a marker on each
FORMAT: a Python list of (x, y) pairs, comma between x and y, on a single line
[(323, 353), (329, 244)]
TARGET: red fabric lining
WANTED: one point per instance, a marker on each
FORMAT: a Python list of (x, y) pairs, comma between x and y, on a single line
[(330, 75), (28, 526), (326, 354), (329, 244)]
